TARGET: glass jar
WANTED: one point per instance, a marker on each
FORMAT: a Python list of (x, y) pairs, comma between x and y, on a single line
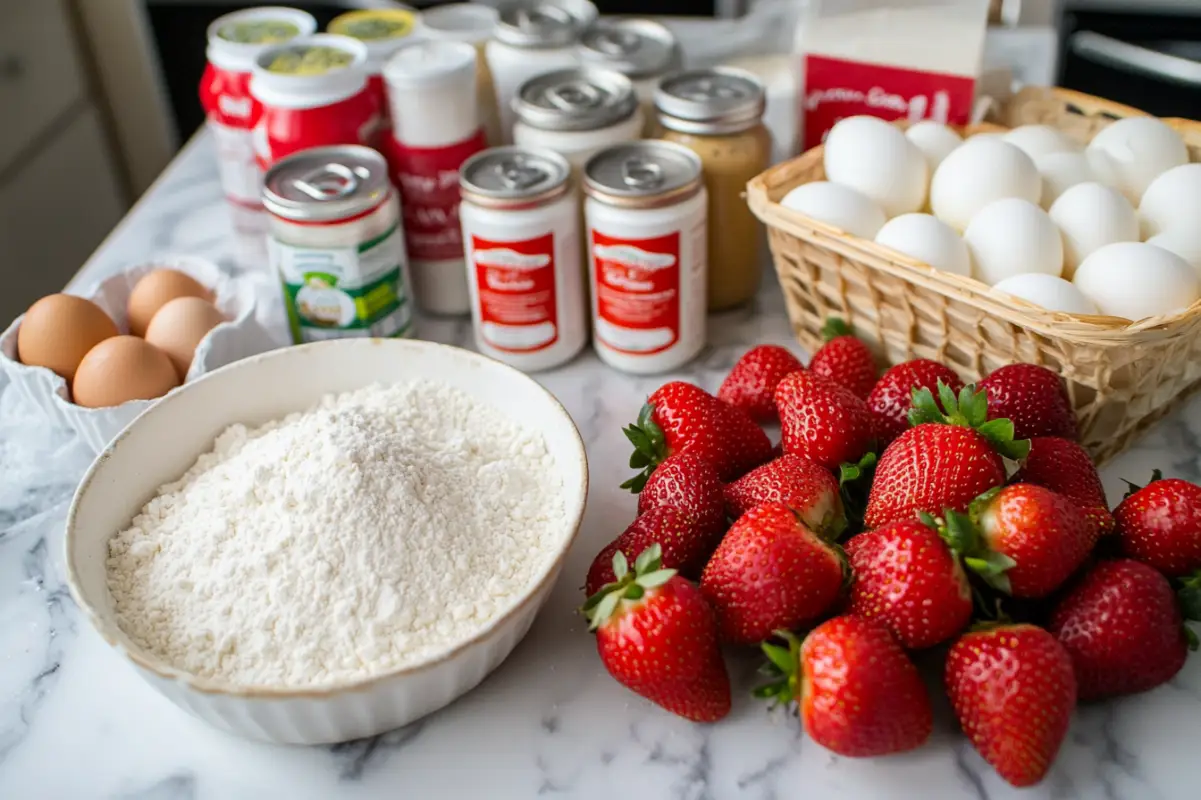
[(718, 114)]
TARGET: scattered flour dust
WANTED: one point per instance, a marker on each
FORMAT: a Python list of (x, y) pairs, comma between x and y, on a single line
[(369, 533)]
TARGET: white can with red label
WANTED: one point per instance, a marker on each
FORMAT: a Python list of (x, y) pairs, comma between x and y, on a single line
[(648, 268), (313, 92), (234, 41), (521, 229)]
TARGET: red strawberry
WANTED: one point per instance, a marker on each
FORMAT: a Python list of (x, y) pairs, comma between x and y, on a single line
[(906, 577), (684, 545), (657, 637), (823, 421), (892, 396), (1160, 525), (1033, 399), (809, 490), (689, 483), (859, 694), (1032, 539), (1122, 626), (769, 573), (681, 417), (751, 384), (1013, 691), (944, 462), (1064, 467), (844, 359)]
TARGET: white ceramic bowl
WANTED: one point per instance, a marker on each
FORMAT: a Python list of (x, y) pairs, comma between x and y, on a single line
[(162, 443)]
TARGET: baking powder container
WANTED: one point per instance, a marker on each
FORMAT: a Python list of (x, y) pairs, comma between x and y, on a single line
[(472, 24)]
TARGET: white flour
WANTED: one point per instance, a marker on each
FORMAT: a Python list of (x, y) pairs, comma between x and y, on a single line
[(370, 533)]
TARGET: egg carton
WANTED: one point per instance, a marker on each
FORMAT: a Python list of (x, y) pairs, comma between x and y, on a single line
[(239, 337)]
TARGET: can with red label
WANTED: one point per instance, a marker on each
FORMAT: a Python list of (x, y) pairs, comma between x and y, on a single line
[(313, 92), (234, 41), (646, 228), (382, 31), (521, 229)]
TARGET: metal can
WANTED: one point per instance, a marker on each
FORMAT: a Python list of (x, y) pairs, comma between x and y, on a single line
[(382, 31), (521, 230), (336, 243), (646, 228), (642, 50)]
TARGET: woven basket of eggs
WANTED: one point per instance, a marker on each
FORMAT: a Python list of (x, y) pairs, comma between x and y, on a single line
[(1066, 233)]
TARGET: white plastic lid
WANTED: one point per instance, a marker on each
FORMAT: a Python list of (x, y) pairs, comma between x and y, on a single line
[(460, 22), (230, 54), (419, 64)]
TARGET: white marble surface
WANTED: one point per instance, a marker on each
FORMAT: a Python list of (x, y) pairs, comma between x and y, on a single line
[(75, 722)]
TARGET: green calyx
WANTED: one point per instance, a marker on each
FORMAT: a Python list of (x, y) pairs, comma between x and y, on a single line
[(783, 669), (648, 573), (969, 410), (854, 488), (849, 473), (963, 536), (650, 448), (1134, 488), (1188, 590)]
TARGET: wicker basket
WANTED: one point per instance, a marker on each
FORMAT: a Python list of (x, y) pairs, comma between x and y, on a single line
[(1121, 377)]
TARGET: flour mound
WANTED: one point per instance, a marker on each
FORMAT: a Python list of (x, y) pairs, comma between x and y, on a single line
[(373, 532)]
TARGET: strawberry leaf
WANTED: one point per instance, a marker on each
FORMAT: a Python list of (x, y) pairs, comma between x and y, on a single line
[(834, 328), (647, 575), (849, 473), (1134, 488), (639, 460), (604, 609), (784, 666), (1190, 597), (992, 568), (924, 408), (959, 532), (656, 578), (973, 406), (649, 559), (946, 396), (1190, 637), (779, 657), (650, 447), (620, 565)]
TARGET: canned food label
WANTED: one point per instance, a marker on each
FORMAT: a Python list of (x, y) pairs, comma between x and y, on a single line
[(280, 132), (516, 285), (637, 292), (230, 109), (428, 181), (338, 292)]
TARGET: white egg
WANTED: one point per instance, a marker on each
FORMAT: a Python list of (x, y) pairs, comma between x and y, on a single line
[(1173, 200), (1037, 141), (1060, 172), (1130, 153), (1184, 242), (1136, 280), (873, 157), (837, 205), (935, 140), (1048, 291), (1090, 216), (1010, 237), (976, 174), (928, 240)]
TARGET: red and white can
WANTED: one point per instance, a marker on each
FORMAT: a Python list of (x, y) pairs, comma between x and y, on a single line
[(312, 92), (521, 228), (648, 268), (234, 41), (382, 31)]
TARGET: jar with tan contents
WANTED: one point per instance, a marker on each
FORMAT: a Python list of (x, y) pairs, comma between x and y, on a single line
[(718, 114)]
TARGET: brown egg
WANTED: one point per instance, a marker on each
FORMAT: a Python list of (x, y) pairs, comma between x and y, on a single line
[(120, 369), (59, 330), (179, 326), (154, 291)]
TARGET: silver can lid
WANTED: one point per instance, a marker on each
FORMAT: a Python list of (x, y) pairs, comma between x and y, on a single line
[(537, 27), (326, 184), (637, 173), (718, 100), (514, 175), (575, 100), (637, 48)]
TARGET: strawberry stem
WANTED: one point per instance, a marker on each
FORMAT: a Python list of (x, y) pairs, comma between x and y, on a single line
[(834, 328), (650, 447), (648, 574), (783, 666), (1134, 488)]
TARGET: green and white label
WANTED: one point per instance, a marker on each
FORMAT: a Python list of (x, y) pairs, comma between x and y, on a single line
[(339, 292)]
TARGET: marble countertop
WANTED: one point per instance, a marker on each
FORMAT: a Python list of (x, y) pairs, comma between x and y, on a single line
[(75, 722)]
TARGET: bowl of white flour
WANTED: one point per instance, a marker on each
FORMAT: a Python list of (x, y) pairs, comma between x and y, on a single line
[(325, 542)]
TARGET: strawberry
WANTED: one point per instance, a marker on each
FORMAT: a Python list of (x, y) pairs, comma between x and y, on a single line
[(1122, 626), (1031, 539), (689, 483), (1160, 525), (844, 359), (823, 421), (657, 637), (945, 461), (1064, 467), (1033, 399), (808, 489), (681, 417), (892, 397), (751, 384), (906, 577), (859, 694), (770, 572), (684, 546), (1013, 692)]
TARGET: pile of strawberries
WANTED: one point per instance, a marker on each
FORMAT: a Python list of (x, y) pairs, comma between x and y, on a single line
[(981, 530)]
